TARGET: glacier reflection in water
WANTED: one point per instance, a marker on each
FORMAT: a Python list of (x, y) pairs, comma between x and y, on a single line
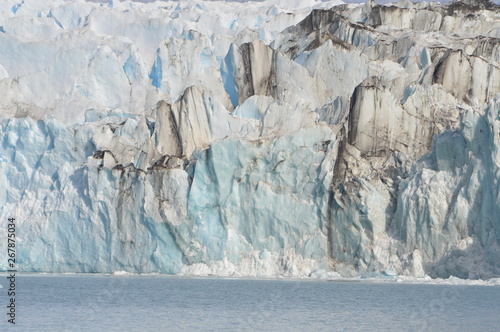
[(159, 303)]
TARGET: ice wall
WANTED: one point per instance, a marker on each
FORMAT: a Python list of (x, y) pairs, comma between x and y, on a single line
[(234, 139)]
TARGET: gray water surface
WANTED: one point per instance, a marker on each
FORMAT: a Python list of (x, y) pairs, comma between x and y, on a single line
[(160, 303)]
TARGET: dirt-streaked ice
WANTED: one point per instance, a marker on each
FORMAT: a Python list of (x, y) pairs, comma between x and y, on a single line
[(258, 139)]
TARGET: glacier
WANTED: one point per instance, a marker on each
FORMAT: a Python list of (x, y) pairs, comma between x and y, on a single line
[(299, 138)]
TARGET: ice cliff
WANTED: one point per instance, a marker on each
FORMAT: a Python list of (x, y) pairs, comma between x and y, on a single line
[(302, 138)]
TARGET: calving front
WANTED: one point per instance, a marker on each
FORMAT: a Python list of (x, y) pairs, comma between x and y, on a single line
[(328, 141)]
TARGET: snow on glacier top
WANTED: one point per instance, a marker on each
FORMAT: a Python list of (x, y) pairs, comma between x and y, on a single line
[(51, 43), (64, 57)]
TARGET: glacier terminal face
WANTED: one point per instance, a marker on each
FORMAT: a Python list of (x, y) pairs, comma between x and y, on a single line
[(305, 138)]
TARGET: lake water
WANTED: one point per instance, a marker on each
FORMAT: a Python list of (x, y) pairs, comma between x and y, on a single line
[(160, 303)]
